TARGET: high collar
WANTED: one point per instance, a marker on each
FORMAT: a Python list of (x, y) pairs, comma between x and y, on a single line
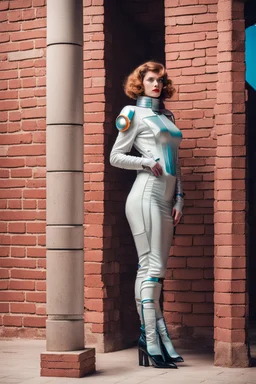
[(150, 102)]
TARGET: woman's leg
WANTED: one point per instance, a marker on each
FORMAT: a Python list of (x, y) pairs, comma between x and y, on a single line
[(160, 232), (152, 227), (150, 294), (161, 238), (136, 209)]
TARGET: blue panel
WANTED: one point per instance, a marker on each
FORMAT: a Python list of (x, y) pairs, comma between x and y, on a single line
[(174, 131), (250, 55), (147, 301), (170, 158), (156, 279)]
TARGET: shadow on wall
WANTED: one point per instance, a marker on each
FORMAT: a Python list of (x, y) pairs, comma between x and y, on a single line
[(133, 36), (189, 281), (135, 33)]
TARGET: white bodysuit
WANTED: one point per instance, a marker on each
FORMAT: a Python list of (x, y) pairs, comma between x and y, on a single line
[(150, 201)]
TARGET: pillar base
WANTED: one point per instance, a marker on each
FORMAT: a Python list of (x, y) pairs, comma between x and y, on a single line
[(64, 335), (232, 355), (68, 364)]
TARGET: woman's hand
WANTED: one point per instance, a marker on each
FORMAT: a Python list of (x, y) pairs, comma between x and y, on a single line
[(176, 216), (153, 165), (157, 170)]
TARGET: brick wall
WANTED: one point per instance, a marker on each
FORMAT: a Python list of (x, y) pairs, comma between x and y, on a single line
[(230, 296), (191, 59), (110, 257), (96, 270), (23, 167), (22, 193)]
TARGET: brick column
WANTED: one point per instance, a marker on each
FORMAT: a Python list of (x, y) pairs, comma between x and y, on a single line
[(65, 194), (191, 45), (230, 195)]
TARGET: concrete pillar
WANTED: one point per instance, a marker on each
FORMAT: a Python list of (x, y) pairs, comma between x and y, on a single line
[(65, 192)]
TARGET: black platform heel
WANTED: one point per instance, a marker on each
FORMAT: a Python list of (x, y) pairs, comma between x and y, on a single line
[(143, 359), (156, 360)]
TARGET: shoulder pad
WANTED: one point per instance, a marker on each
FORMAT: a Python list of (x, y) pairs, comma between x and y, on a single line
[(123, 121)]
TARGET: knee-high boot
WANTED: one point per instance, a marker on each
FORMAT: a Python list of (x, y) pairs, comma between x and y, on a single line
[(150, 294)]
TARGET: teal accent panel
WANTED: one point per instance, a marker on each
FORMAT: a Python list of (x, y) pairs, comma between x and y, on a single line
[(130, 113), (161, 122), (147, 301), (250, 55), (168, 125), (156, 279), (170, 155)]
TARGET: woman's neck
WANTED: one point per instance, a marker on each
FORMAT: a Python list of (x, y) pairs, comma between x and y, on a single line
[(154, 103)]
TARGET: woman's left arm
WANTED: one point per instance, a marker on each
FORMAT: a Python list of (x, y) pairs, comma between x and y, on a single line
[(179, 197)]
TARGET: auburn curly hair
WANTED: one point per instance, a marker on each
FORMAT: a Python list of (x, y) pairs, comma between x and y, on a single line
[(133, 85)]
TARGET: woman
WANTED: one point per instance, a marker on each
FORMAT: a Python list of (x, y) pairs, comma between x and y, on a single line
[(150, 128)]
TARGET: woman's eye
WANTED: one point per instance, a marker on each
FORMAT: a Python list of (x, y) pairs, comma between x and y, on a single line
[(161, 80)]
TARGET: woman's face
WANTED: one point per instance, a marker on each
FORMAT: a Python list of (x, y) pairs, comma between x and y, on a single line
[(153, 84)]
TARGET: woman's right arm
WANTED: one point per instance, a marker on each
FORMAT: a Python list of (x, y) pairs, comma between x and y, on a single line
[(123, 145)]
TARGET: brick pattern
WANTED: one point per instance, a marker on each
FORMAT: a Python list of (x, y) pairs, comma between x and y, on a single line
[(95, 189), (230, 191), (191, 49), (22, 167), (205, 70), (68, 364)]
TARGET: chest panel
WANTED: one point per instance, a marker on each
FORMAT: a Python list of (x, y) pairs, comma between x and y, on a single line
[(161, 123), (168, 136)]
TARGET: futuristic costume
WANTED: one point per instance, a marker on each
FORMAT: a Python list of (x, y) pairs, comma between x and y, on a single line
[(151, 130)]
